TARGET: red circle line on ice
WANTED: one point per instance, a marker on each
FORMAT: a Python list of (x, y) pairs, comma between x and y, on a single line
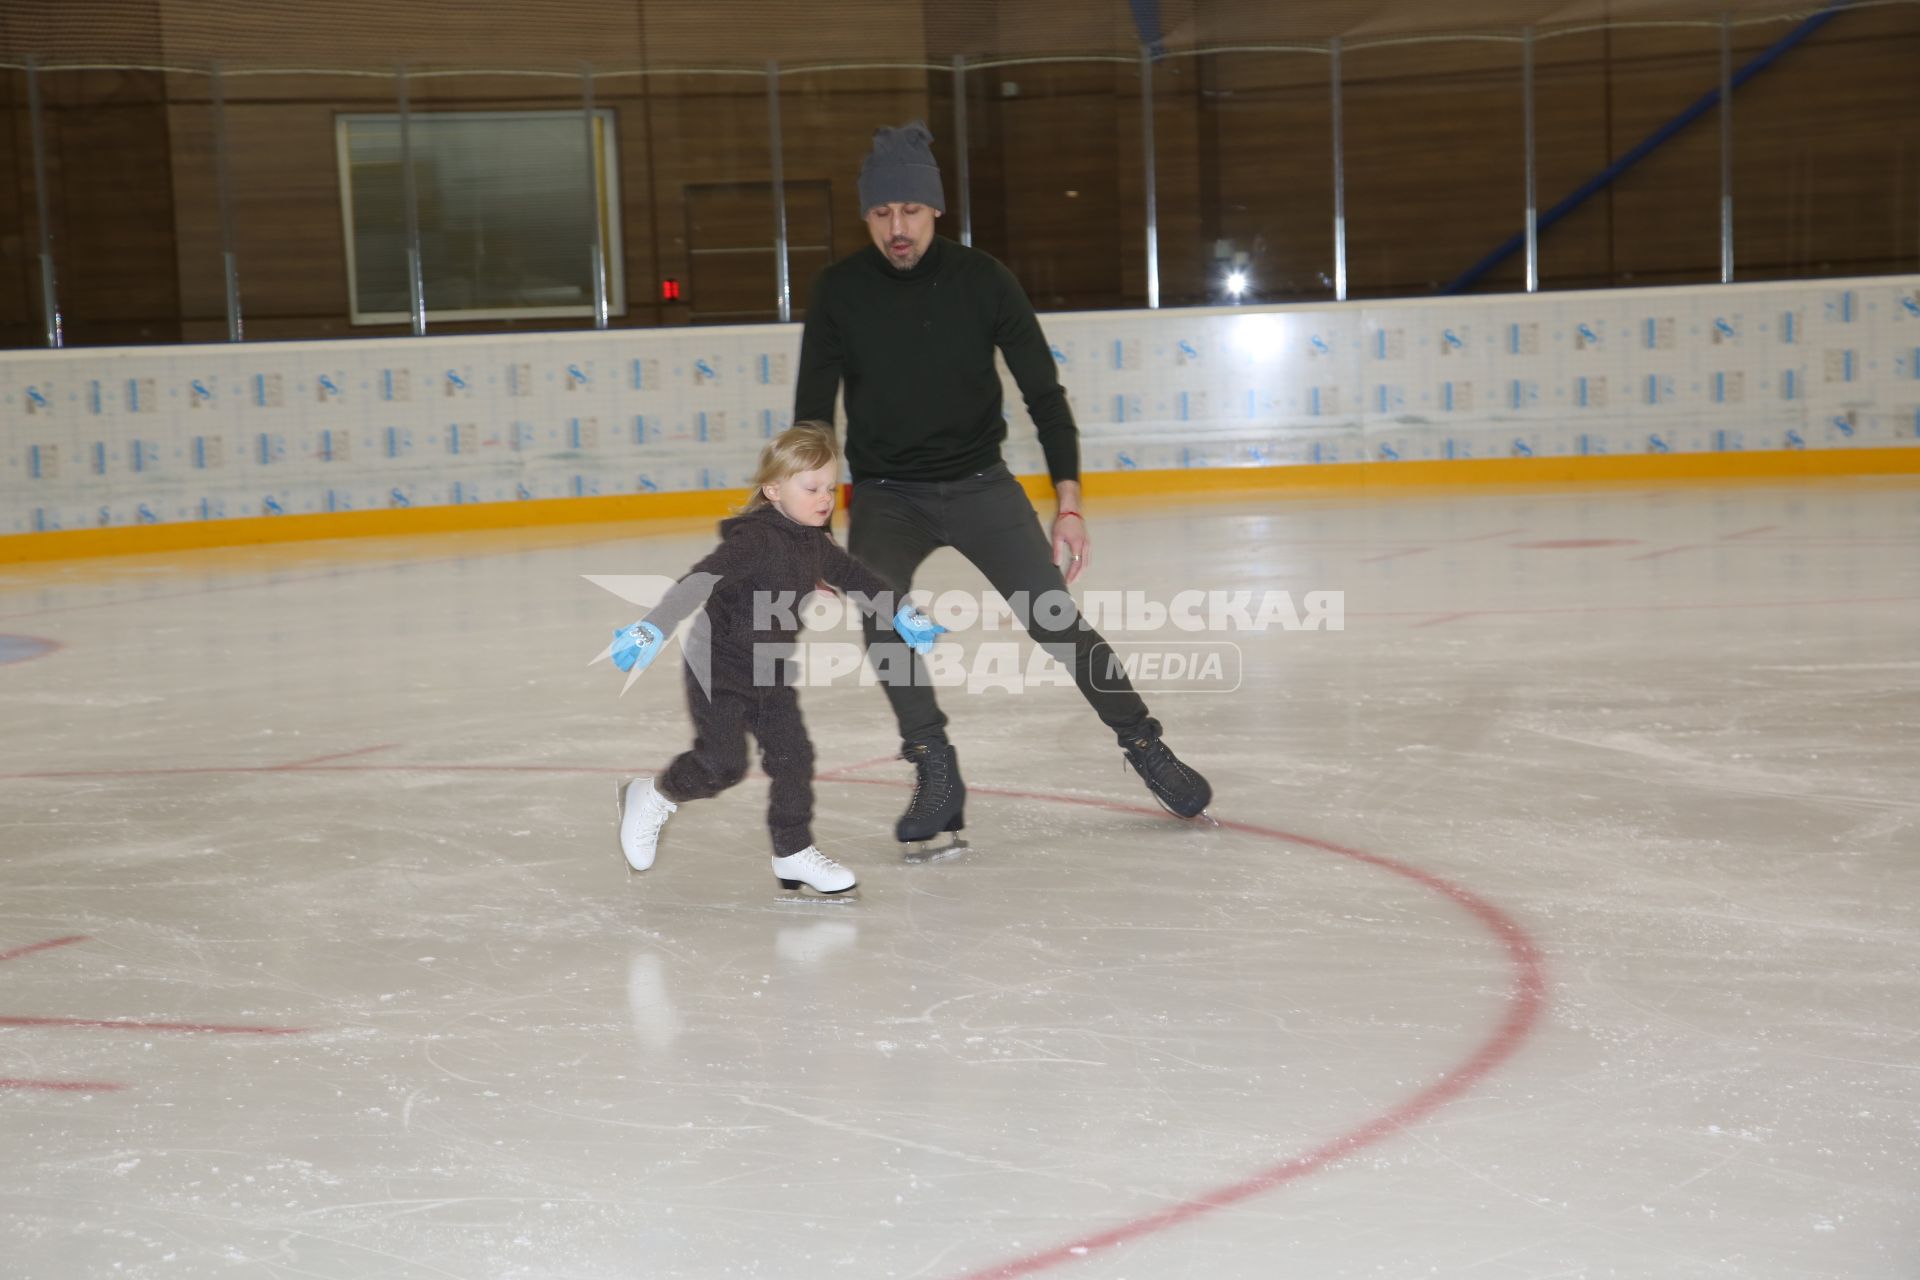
[(1574, 544), (1526, 1000)]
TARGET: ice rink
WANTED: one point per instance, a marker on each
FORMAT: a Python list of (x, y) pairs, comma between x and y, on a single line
[(1562, 921)]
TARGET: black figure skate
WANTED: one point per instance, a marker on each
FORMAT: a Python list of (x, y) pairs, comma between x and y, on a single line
[(938, 805), (1180, 790)]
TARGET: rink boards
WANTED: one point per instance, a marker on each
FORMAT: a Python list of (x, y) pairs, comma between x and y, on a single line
[(396, 434)]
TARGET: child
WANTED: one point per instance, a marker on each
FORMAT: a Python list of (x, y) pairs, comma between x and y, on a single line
[(772, 555)]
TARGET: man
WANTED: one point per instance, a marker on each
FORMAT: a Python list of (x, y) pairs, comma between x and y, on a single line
[(910, 325)]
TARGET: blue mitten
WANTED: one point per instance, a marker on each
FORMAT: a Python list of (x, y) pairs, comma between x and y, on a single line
[(635, 647), (916, 628)]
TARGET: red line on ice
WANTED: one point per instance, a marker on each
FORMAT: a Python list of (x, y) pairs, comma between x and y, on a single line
[(102, 1024), (128, 1024), (329, 764), (337, 755), (48, 945), (54, 1086), (828, 775), (1574, 544), (1526, 999)]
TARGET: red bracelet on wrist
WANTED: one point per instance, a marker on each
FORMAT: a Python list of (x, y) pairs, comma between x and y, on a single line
[(1064, 514)]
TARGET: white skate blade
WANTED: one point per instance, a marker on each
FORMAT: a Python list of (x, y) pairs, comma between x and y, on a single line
[(808, 896), (919, 853)]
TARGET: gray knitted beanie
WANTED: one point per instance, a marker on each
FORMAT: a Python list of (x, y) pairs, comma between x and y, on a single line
[(901, 168)]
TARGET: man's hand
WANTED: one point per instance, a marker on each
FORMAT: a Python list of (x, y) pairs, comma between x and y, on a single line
[(1071, 546)]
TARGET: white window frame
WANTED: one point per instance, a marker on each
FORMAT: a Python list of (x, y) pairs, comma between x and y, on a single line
[(607, 171)]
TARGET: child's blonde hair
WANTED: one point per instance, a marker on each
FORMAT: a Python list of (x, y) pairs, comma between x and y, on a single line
[(804, 446)]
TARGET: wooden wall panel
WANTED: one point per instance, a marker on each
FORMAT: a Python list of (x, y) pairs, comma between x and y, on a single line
[(288, 219), (109, 189), (1828, 178), (443, 33), (1185, 251), (1572, 143), (635, 204), (1825, 182), (1266, 173), (827, 124), (199, 270), (698, 33), (1435, 163), (20, 324), (288, 230), (1060, 131), (1088, 27), (1666, 210), (703, 131), (285, 197), (110, 181), (986, 149)]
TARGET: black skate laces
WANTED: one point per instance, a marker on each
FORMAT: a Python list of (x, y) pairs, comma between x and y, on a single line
[(933, 779), (1153, 760)]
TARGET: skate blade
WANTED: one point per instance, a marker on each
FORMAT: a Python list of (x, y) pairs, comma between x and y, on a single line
[(1200, 819), (808, 896), (921, 852)]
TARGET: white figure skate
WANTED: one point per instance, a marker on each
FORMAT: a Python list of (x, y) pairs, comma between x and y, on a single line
[(643, 811), (810, 876)]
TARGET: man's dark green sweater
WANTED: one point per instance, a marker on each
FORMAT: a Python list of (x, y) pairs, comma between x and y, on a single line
[(915, 349)]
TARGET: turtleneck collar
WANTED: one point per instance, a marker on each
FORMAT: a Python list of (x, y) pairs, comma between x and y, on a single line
[(774, 518), (928, 266)]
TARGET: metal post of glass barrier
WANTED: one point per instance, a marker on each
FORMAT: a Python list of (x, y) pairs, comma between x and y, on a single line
[(783, 284), (596, 257), (1149, 171), (223, 196), (410, 197), (49, 292), (1533, 208), (1339, 184), (960, 148)]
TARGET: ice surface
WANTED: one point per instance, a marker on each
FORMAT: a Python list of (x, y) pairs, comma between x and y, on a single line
[(1563, 922)]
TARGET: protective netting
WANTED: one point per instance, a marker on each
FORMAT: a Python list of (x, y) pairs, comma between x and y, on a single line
[(374, 35)]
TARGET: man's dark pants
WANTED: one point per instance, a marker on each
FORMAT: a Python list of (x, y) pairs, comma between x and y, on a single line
[(986, 517)]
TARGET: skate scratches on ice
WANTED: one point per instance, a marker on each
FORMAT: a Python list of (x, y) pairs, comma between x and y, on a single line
[(876, 1135)]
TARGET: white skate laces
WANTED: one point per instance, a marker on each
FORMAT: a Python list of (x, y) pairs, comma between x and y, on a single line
[(815, 870), (643, 811)]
